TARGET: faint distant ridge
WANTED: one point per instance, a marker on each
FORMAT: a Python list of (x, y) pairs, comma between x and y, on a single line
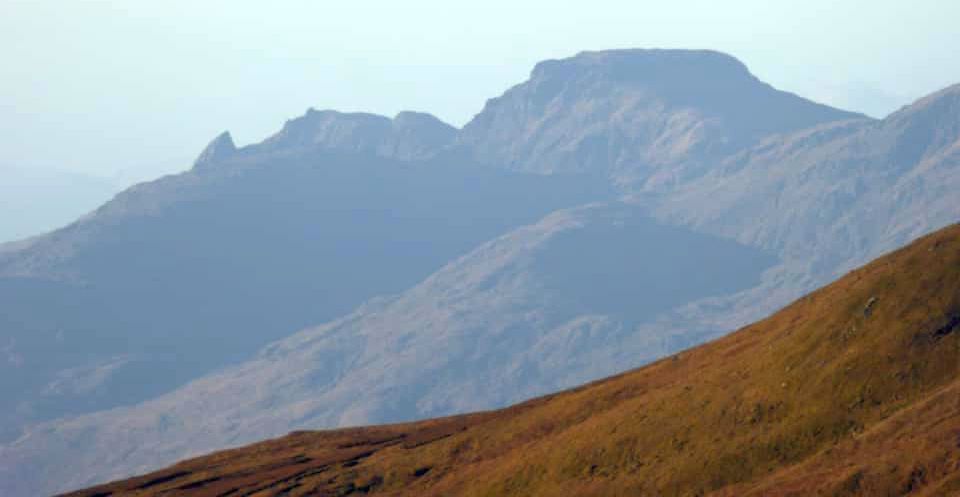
[(640, 116)]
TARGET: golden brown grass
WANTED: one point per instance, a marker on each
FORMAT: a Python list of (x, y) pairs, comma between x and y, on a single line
[(852, 390)]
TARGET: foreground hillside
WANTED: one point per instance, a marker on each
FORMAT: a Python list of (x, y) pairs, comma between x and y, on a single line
[(852, 390)]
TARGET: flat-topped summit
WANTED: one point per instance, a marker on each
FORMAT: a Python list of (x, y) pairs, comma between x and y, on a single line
[(647, 65), (640, 116)]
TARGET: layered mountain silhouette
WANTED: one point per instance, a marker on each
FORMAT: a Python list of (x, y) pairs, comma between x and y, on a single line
[(355, 269), (178, 277), (856, 187), (852, 390)]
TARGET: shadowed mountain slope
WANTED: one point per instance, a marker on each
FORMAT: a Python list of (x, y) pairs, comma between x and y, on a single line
[(851, 390), (510, 320), (180, 276)]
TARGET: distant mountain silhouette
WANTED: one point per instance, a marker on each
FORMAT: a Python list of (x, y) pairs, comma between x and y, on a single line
[(181, 276), (616, 207)]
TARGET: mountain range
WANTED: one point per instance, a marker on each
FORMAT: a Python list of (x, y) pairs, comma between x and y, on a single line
[(354, 269), (852, 390)]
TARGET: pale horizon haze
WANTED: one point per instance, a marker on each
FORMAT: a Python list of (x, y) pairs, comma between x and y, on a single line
[(132, 90)]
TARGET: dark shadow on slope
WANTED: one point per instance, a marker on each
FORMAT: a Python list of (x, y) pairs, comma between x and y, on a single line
[(231, 262), (627, 265)]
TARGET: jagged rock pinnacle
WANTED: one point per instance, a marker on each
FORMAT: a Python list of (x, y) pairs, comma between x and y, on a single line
[(219, 149)]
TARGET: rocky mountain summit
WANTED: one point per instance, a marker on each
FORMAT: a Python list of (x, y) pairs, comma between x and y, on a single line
[(645, 118), (408, 136), (616, 207), (218, 150)]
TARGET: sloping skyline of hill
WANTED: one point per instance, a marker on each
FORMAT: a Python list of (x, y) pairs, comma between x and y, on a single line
[(360, 269), (852, 390)]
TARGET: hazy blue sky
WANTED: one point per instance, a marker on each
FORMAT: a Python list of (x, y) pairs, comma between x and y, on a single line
[(141, 86)]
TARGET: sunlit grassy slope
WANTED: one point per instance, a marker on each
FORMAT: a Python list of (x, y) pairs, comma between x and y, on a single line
[(852, 390)]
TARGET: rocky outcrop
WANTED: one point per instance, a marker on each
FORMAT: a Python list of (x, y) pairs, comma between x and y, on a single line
[(220, 149), (409, 136)]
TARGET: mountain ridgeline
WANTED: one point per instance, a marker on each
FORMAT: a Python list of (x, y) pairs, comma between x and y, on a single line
[(257, 242), (181, 276), (355, 269), (649, 119), (852, 390)]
